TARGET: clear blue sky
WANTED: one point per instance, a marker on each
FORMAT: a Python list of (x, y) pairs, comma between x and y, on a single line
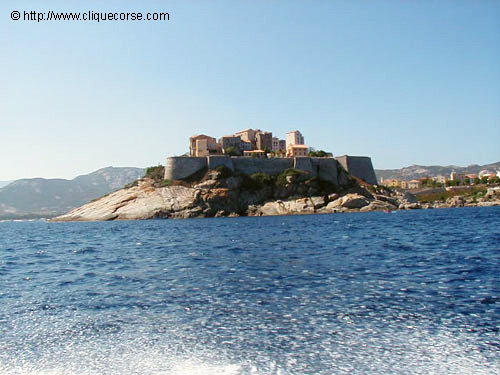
[(405, 82)]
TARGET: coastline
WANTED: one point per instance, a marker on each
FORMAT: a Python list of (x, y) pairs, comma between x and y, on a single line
[(219, 196)]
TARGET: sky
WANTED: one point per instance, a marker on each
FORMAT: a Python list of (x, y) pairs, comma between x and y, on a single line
[(404, 82)]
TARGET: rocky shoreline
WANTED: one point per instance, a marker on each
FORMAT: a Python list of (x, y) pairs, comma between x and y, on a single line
[(218, 195)]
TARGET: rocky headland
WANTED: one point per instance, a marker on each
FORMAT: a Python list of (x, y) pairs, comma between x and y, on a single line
[(220, 193), (224, 193)]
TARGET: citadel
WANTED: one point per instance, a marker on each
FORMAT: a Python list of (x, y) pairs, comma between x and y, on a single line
[(253, 151)]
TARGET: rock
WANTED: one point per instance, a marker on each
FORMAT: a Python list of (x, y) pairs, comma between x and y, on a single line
[(354, 201), (226, 197), (457, 201), (302, 205), (233, 182), (349, 201), (333, 196), (384, 198), (138, 202), (208, 184), (378, 205), (489, 204), (318, 202), (409, 197), (410, 206), (269, 208), (333, 205)]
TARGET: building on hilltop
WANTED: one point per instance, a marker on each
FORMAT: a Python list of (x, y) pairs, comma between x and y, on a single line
[(231, 143), (264, 140), (247, 135), (255, 153), (293, 140), (202, 145), (248, 140), (297, 150), (260, 140), (246, 145), (278, 146)]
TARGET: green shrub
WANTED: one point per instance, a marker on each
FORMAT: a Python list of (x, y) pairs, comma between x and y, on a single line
[(262, 178), (320, 154), (224, 171), (475, 192), (155, 173), (232, 151), (165, 183), (282, 181), (256, 181), (132, 184)]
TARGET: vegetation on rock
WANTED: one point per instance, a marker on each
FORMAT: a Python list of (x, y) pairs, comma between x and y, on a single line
[(474, 192), (155, 173)]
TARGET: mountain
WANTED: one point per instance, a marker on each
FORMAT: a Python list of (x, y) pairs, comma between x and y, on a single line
[(419, 171), (4, 183), (39, 197)]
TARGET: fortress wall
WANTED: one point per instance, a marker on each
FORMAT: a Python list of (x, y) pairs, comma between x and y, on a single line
[(269, 166), (180, 167), (359, 166), (215, 161), (328, 170), (306, 164)]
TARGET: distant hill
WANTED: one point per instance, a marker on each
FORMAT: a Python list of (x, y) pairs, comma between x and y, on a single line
[(39, 197), (418, 171), (4, 183)]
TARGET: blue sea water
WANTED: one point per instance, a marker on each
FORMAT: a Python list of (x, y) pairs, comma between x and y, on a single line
[(414, 292)]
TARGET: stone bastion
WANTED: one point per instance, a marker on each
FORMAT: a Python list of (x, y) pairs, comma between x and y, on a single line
[(327, 169)]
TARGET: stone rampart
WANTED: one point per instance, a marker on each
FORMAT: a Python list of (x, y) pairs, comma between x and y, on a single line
[(359, 166), (215, 161), (255, 165), (327, 169), (306, 165), (180, 167)]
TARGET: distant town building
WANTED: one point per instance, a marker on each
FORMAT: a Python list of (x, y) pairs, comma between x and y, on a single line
[(263, 140), (471, 176), (202, 145), (391, 183), (246, 145), (489, 175), (483, 173), (247, 135), (275, 144), (255, 153), (414, 184), (230, 141), (297, 150), (249, 140), (441, 179), (294, 139), (278, 145)]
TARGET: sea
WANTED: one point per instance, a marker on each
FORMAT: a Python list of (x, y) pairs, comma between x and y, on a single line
[(408, 292)]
